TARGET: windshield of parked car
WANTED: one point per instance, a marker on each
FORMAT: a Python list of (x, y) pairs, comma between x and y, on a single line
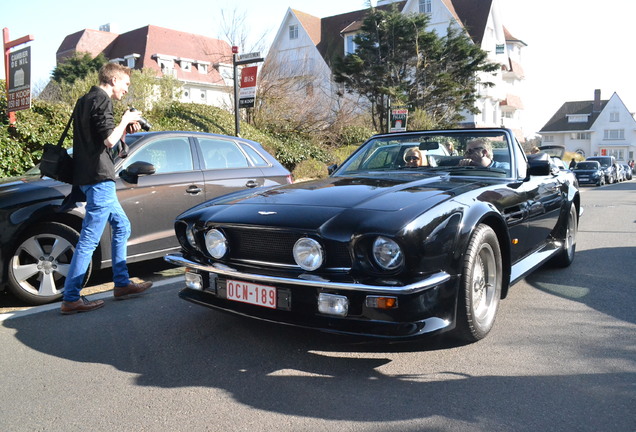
[(587, 166), (458, 152), (605, 162)]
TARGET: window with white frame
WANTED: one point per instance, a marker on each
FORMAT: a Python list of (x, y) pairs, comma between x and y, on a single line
[(350, 45), (293, 31), (614, 117), (203, 68), (425, 6), (548, 138), (186, 65), (614, 134), (131, 60), (166, 64), (581, 136), (577, 118)]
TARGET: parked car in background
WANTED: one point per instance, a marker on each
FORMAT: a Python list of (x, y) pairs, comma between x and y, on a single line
[(628, 172), (589, 172), (382, 248), (608, 164), (164, 174)]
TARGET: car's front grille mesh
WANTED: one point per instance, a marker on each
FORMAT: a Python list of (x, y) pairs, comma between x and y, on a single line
[(272, 246)]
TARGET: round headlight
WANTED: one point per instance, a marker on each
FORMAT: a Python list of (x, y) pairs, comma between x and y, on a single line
[(308, 254), (190, 237), (216, 243), (387, 253)]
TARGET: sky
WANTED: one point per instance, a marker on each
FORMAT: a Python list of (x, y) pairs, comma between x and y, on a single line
[(573, 46)]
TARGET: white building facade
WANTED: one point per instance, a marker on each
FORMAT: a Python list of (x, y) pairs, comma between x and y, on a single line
[(308, 45), (594, 128)]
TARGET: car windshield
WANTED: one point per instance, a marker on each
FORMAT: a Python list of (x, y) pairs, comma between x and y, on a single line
[(587, 166), (604, 162), (426, 152)]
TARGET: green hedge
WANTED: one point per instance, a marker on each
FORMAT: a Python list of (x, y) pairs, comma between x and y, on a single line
[(21, 145)]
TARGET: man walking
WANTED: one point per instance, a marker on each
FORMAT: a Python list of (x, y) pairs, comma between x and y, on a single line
[(94, 134)]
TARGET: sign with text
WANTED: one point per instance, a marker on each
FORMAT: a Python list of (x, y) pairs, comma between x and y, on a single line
[(247, 93), (398, 119), (19, 80)]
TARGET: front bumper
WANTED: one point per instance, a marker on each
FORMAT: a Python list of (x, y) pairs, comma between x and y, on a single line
[(425, 307), (588, 179)]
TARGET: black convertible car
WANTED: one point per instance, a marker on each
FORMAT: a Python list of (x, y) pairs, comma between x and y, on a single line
[(383, 249)]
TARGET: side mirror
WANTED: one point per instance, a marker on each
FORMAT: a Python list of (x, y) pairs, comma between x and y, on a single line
[(332, 168), (539, 165), (136, 169)]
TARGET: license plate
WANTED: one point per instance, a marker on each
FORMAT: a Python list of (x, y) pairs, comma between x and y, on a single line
[(246, 292)]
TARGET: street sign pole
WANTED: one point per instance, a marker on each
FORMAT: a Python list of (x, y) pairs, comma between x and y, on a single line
[(7, 50), (238, 60)]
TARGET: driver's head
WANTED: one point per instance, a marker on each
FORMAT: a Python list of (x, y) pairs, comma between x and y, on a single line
[(414, 157)]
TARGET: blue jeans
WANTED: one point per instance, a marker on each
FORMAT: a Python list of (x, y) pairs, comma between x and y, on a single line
[(101, 206)]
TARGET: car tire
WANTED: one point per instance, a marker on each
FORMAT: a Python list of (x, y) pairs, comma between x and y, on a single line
[(480, 285), (39, 263), (565, 257), (601, 182)]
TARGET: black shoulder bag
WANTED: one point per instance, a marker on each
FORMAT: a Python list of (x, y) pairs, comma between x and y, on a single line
[(56, 162)]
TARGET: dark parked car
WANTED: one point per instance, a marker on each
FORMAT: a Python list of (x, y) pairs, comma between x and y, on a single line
[(589, 172), (164, 174), (608, 164), (628, 172), (381, 249)]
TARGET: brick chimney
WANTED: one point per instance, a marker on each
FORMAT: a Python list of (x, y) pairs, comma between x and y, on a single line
[(596, 107)]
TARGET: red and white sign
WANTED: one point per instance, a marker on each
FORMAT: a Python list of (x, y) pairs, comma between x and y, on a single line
[(247, 93), (246, 292)]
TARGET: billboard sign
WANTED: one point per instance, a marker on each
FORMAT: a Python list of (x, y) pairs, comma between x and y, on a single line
[(399, 115), (19, 80)]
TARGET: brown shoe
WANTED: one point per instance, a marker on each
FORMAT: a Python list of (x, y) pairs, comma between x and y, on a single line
[(81, 305), (131, 290)]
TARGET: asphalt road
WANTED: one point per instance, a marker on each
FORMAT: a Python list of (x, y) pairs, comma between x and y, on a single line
[(562, 357)]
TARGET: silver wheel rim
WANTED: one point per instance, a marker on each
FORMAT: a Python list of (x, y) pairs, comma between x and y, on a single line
[(484, 284), (40, 263)]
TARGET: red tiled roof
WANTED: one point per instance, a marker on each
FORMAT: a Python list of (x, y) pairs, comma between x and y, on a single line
[(311, 24), (151, 40), (85, 41), (512, 101)]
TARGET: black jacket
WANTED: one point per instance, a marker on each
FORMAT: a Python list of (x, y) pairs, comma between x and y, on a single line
[(93, 122)]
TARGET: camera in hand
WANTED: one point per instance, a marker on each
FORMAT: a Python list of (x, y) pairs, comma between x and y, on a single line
[(145, 124)]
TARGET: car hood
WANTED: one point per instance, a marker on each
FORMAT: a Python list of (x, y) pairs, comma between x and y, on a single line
[(311, 204), (15, 191)]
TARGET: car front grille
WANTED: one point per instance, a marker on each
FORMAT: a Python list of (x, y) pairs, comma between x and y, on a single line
[(275, 247)]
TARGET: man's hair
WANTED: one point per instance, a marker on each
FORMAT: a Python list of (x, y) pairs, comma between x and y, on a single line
[(481, 142), (112, 70)]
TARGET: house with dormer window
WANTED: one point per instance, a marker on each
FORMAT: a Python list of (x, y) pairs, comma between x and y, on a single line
[(594, 128), (305, 46), (203, 65)]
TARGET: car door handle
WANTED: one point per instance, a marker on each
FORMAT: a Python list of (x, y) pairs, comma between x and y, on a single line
[(251, 184), (194, 190)]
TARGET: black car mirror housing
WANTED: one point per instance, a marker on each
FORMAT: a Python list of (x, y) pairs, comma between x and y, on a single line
[(132, 173), (539, 165)]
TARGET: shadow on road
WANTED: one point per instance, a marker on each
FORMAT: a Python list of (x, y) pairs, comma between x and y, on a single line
[(293, 372), (612, 292)]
